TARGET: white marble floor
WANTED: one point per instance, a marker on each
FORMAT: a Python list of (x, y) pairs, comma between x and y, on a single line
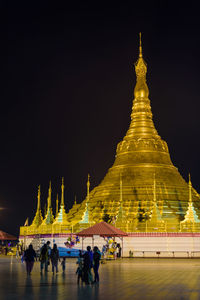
[(142, 279)]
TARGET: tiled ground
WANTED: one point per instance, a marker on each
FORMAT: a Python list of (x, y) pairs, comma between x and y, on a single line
[(124, 279)]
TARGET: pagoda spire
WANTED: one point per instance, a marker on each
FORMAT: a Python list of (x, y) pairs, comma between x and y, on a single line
[(61, 217), (121, 221), (57, 205), (88, 188), (155, 212), (140, 47), (38, 216), (121, 192), (49, 196), (49, 218), (191, 221), (141, 116), (85, 218), (156, 222), (62, 192)]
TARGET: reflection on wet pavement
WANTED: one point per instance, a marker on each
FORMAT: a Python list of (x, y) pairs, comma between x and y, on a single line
[(124, 279)]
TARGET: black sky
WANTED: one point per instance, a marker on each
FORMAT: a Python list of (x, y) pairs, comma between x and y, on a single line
[(67, 83)]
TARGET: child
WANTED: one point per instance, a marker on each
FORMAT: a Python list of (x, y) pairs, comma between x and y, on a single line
[(79, 270), (63, 264)]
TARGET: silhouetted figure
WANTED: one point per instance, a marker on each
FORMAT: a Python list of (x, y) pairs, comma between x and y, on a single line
[(79, 270), (96, 260), (54, 256), (63, 264), (6, 250), (29, 257), (49, 253), (44, 258), (87, 266)]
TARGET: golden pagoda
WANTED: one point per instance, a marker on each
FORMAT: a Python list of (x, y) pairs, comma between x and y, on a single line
[(141, 154), (155, 223), (126, 194), (46, 226), (82, 220), (191, 222), (61, 223), (38, 219)]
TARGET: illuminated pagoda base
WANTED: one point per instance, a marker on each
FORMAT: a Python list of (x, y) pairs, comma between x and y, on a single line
[(142, 193)]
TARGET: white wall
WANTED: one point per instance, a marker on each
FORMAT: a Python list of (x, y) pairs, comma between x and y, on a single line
[(144, 246)]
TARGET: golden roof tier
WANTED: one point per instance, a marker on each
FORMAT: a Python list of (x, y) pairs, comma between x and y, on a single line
[(141, 154)]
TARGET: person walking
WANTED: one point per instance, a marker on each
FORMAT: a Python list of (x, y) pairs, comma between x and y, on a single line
[(29, 257), (96, 260), (49, 253), (54, 256), (87, 266), (79, 270), (63, 262), (44, 258)]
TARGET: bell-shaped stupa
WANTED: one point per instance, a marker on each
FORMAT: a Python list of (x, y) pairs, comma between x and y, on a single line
[(141, 154)]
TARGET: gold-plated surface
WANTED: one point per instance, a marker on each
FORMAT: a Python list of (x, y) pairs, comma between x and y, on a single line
[(129, 195), (141, 154), (61, 223), (191, 222)]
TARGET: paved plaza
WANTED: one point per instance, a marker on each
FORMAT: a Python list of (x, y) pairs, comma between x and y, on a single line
[(122, 279)]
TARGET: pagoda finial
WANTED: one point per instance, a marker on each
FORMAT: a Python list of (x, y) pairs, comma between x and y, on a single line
[(38, 197), (49, 195), (140, 47), (190, 189), (75, 200), (62, 192), (121, 194), (88, 188), (154, 188), (57, 205)]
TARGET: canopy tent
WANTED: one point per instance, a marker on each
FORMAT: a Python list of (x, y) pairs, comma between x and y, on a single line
[(103, 230), (7, 237)]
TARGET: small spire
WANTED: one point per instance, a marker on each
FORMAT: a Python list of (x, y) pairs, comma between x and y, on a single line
[(57, 205), (49, 196), (88, 188), (140, 47), (190, 189), (121, 195), (75, 200), (49, 187), (62, 192), (39, 193), (154, 188)]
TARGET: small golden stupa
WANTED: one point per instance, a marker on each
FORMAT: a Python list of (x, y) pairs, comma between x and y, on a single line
[(191, 222), (143, 191)]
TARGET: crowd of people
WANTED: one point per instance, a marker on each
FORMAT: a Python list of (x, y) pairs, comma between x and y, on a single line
[(87, 261)]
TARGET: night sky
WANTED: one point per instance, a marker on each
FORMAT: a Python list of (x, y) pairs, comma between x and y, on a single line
[(67, 81)]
